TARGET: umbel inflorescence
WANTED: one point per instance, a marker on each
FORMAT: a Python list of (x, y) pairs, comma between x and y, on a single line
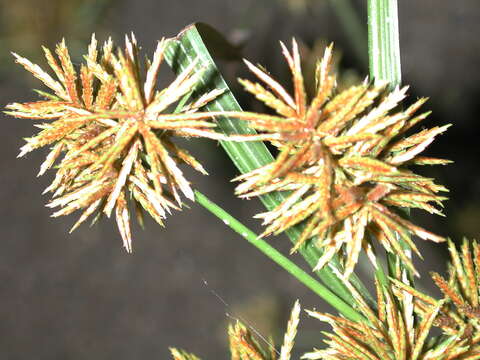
[(342, 156), (344, 159), (115, 131)]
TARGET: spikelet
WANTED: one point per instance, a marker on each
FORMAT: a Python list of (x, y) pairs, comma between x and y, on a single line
[(461, 308), (244, 346), (182, 355), (288, 341), (343, 159), (391, 332), (115, 132)]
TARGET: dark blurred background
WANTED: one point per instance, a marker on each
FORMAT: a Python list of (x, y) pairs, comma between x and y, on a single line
[(81, 296)]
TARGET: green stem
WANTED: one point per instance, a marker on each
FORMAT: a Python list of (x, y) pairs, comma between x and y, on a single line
[(353, 27), (385, 65), (384, 41), (279, 258)]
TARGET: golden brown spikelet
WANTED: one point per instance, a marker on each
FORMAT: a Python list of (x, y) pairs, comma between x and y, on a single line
[(343, 158), (392, 331), (116, 132), (461, 309), (182, 355), (288, 341), (243, 345)]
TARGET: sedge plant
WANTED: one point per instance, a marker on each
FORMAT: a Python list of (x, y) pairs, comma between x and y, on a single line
[(341, 181)]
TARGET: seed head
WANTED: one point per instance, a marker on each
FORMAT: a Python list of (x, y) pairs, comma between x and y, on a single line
[(114, 132), (342, 158)]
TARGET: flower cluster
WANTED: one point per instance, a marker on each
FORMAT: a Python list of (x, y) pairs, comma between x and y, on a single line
[(115, 132), (392, 331), (343, 160)]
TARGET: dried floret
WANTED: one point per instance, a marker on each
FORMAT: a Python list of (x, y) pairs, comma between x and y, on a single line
[(343, 159)]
